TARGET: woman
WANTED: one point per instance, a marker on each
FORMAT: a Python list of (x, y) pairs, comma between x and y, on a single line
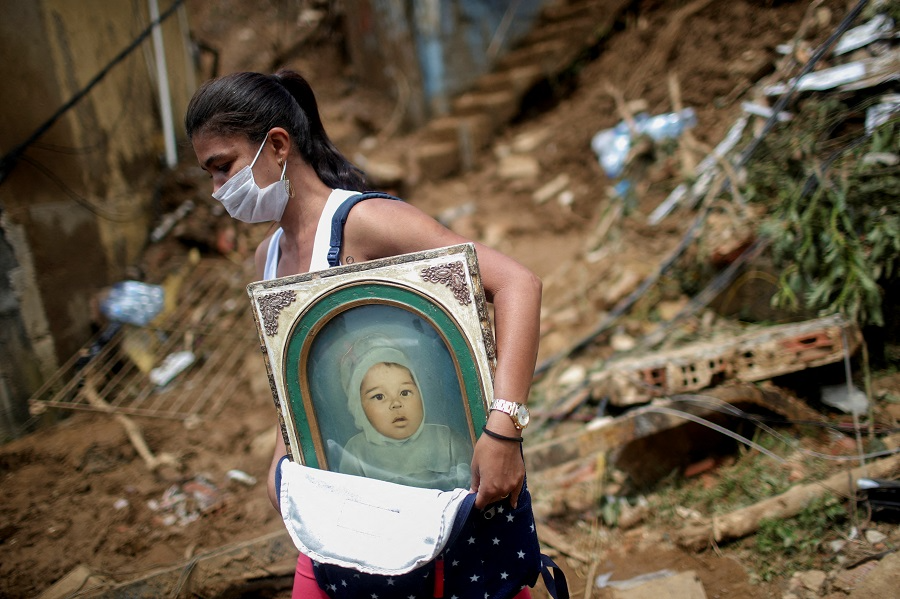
[(262, 142)]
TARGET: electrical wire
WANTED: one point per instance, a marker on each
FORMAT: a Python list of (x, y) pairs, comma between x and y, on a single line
[(786, 97), (726, 408), (11, 158)]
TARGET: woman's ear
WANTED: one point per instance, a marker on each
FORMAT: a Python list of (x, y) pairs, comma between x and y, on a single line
[(281, 142)]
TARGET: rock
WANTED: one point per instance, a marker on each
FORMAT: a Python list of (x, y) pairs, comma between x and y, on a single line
[(684, 585), (848, 580), (573, 375), (550, 189), (812, 580), (874, 537), (882, 581), (519, 167)]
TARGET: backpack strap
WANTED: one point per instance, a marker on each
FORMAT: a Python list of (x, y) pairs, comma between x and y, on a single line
[(554, 578), (340, 219)]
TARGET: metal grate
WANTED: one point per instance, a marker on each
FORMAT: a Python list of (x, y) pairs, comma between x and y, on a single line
[(211, 318)]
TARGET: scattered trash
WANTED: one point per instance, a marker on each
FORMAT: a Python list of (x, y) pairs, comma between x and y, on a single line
[(878, 27), (881, 113), (705, 173), (883, 158), (852, 401), (133, 302), (241, 477), (603, 581), (183, 504), (171, 366), (859, 74), (120, 504), (765, 111), (612, 145), (883, 497), (170, 220)]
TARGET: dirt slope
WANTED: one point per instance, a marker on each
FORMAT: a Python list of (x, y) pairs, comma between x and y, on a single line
[(78, 492)]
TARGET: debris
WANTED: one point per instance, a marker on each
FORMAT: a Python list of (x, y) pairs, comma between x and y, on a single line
[(647, 420), (873, 537), (881, 113), (846, 398), (764, 111), (78, 580), (173, 365), (876, 28), (883, 498), (662, 584), (603, 580), (754, 356), (745, 521), (170, 220), (859, 74), (133, 431), (184, 503), (810, 580), (518, 166), (133, 302), (553, 538), (269, 556), (612, 146), (705, 172), (241, 477), (554, 187)]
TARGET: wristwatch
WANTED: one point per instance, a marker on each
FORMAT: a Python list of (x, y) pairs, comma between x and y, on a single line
[(517, 411)]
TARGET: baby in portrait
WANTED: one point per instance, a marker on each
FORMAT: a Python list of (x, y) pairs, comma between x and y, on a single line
[(395, 443)]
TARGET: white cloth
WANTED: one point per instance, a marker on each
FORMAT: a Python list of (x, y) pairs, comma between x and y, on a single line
[(368, 525)]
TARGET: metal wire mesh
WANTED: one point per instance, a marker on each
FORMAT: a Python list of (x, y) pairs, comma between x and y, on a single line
[(211, 318)]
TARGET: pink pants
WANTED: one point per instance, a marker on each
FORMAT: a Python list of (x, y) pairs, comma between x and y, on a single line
[(305, 586)]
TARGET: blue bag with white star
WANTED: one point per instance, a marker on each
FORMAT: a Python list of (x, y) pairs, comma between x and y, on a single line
[(381, 540)]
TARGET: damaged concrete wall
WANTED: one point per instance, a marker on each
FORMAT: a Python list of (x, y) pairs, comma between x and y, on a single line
[(432, 50), (76, 207)]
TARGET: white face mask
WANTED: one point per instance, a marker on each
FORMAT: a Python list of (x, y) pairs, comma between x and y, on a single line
[(245, 201)]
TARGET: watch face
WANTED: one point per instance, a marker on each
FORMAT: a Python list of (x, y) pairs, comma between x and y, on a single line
[(523, 416)]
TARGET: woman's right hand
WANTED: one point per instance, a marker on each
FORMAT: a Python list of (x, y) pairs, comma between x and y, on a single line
[(280, 452)]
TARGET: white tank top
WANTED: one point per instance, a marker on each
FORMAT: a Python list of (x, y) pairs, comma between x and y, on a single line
[(322, 240)]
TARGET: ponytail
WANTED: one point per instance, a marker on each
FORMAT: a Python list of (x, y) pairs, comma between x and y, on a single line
[(328, 162), (250, 104)]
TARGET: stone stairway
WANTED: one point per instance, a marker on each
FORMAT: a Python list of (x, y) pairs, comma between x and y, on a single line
[(451, 144)]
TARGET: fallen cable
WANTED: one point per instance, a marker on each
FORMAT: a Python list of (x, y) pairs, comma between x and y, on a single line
[(726, 408), (11, 158)]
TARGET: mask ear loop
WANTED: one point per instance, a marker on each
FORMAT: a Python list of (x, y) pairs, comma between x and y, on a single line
[(259, 151)]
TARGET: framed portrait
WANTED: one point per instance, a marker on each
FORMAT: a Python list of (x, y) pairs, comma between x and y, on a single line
[(381, 369)]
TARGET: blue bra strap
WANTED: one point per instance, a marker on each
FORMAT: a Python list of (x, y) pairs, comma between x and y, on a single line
[(340, 218)]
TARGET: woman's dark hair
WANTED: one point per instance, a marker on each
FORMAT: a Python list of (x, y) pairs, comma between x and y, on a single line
[(250, 104)]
